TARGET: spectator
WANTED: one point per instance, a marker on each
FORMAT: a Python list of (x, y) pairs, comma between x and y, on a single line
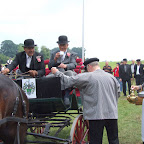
[(138, 72), (9, 61), (3, 67), (107, 68), (116, 74), (116, 71), (125, 75), (132, 71)]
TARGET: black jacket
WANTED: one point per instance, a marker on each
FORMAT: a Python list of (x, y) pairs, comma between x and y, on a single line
[(20, 60), (141, 71), (125, 75)]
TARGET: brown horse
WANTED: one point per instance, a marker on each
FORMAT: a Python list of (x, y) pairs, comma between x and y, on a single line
[(9, 92)]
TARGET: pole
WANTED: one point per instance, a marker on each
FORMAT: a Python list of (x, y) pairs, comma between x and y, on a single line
[(83, 34)]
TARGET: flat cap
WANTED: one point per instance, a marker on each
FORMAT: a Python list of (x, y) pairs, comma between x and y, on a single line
[(90, 60), (138, 60)]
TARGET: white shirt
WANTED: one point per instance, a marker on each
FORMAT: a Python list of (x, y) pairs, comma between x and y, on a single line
[(137, 72), (28, 61), (63, 57), (132, 68), (3, 68), (9, 61)]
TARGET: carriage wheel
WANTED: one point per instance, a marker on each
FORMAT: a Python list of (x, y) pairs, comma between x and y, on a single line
[(80, 131)]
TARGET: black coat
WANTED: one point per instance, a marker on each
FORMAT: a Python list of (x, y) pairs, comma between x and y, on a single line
[(141, 71), (20, 60), (125, 75)]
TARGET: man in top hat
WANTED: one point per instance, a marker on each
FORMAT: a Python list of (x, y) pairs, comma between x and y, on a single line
[(125, 75), (62, 59), (138, 72), (28, 61), (99, 91)]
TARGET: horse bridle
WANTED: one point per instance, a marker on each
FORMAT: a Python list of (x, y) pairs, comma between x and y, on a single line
[(17, 102), (17, 138)]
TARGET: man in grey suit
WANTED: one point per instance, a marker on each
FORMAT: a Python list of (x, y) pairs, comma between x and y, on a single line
[(62, 59), (29, 61), (99, 91)]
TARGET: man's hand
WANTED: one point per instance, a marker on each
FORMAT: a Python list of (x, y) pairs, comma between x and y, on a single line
[(54, 70), (33, 73), (62, 66), (5, 71), (135, 87), (57, 56)]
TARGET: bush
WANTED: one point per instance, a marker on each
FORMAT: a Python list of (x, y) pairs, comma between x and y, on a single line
[(3, 58)]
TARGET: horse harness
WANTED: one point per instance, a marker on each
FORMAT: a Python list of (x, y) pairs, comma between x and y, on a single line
[(13, 118)]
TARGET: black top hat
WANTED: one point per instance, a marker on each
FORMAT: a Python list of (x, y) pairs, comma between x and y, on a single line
[(62, 40), (90, 60), (29, 43), (125, 59)]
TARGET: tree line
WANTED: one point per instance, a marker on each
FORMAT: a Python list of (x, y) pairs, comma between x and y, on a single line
[(10, 49)]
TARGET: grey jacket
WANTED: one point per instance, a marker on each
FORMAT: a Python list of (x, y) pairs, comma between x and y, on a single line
[(99, 92), (70, 61)]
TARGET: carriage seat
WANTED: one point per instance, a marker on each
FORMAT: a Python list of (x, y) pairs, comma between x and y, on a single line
[(46, 62), (47, 70), (79, 66)]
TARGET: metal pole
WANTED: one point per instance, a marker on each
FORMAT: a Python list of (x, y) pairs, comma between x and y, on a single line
[(83, 34)]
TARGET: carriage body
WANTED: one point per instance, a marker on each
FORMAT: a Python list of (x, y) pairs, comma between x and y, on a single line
[(49, 97), (48, 106)]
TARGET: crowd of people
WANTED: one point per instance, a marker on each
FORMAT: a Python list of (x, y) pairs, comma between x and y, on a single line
[(2, 67), (127, 74)]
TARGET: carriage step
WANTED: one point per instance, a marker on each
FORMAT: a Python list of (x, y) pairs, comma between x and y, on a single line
[(47, 129)]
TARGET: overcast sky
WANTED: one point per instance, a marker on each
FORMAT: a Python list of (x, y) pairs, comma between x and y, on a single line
[(113, 29)]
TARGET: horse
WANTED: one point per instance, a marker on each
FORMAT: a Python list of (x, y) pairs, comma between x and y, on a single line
[(13, 104)]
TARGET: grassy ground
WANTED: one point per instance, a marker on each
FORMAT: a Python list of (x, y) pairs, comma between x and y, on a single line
[(129, 124)]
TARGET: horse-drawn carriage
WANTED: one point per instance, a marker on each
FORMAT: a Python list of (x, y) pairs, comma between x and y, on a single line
[(47, 112)]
